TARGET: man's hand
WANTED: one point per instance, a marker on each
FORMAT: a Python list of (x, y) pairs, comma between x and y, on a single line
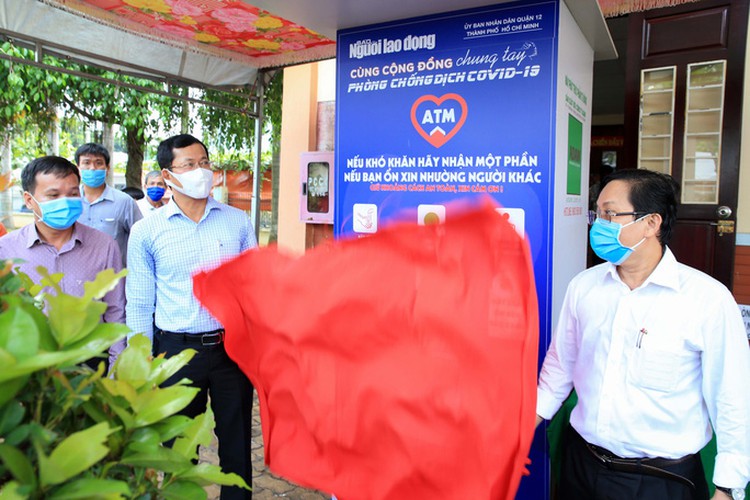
[(538, 421)]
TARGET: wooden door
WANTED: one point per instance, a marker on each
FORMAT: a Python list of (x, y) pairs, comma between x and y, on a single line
[(683, 116)]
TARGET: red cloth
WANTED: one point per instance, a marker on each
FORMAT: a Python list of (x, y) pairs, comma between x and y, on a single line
[(397, 366)]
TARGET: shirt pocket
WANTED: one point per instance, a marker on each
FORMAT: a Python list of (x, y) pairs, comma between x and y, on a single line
[(108, 225), (655, 369)]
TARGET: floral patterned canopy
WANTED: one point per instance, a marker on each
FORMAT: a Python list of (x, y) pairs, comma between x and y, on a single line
[(232, 28), (237, 31)]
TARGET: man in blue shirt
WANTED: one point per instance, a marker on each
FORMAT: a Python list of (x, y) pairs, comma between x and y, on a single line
[(104, 208), (193, 232)]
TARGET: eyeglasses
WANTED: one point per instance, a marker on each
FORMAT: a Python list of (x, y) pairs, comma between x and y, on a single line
[(192, 165), (608, 214)]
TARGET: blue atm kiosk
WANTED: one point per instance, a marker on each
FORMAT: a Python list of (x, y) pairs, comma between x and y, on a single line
[(492, 101)]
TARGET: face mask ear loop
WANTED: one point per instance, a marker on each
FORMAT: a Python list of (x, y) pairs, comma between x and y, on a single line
[(38, 205), (630, 224)]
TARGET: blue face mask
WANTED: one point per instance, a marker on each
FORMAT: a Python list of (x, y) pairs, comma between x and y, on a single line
[(93, 178), (60, 213), (605, 241), (156, 193)]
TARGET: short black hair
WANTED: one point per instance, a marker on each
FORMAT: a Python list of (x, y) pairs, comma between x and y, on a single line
[(165, 151), (651, 193), (92, 148), (56, 165), (133, 192)]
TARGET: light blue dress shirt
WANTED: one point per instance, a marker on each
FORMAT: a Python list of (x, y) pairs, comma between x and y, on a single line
[(114, 213), (164, 252)]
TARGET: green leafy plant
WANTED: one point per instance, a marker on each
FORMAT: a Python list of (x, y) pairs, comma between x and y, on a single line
[(67, 431), (239, 161)]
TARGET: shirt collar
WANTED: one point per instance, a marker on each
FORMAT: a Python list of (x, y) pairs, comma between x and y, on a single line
[(33, 238), (172, 208), (666, 273), (106, 194)]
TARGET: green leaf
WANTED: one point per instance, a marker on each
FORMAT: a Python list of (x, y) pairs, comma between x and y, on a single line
[(74, 454), (91, 488), (11, 416), (18, 333), (120, 388), (72, 318), (45, 360), (171, 427), (157, 404), (17, 463), (200, 432), (179, 490), (18, 435), (101, 338), (10, 491), (165, 368), (49, 280), (146, 435), (205, 474), (133, 364), (9, 388), (105, 282), (164, 459)]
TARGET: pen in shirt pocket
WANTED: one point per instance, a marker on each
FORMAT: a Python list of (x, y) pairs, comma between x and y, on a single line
[(639, 340)]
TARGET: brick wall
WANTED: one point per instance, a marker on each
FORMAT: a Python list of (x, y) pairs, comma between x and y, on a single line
[(742, 275)]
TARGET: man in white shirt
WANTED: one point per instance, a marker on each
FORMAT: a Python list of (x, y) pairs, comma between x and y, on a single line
[(155, 188), (657, 354)]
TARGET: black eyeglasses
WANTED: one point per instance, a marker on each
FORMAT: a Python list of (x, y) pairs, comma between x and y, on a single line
[(607, 215)]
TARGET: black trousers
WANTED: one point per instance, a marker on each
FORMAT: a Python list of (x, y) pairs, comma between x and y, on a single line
[(583, 477), (214, 373)]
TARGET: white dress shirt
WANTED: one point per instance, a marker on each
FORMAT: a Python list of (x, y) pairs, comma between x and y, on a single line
[(145, 207), (653, 367)]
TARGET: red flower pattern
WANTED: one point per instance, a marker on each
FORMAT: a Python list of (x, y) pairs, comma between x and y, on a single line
[(233, 23)]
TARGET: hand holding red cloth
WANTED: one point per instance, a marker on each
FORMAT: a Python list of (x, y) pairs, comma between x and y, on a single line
[(397, 366)]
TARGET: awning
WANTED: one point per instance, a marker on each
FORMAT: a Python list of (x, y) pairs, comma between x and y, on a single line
[(225, 42)]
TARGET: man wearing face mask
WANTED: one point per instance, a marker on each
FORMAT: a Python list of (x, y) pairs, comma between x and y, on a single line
[(657, 354), (104, 208), (154, 187), (193, 232), (57, 242)]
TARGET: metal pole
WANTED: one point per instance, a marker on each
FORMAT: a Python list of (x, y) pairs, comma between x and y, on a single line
[(257, 181)]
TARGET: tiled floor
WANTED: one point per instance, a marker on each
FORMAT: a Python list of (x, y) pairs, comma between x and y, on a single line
[(266, 486)]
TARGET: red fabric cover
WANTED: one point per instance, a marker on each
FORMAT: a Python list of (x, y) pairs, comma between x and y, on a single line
[(397, 366)]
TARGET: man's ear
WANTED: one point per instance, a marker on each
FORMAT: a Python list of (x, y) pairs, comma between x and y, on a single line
[(28, 200), (167, 176), (654, 224)]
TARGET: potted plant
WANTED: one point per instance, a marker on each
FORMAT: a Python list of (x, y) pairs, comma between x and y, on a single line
[(67, 431)]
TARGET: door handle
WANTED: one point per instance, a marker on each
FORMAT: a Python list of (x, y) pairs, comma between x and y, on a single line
[(723, 212)]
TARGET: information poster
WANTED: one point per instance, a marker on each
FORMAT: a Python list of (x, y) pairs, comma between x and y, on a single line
[(436, 109)]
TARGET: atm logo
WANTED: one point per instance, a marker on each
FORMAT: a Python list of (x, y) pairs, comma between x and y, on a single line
[(438, 119)]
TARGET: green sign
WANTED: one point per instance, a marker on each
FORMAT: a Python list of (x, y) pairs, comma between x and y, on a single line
[(575, 145)]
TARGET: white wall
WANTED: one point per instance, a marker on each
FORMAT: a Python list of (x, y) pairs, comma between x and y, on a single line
[(576, 63)]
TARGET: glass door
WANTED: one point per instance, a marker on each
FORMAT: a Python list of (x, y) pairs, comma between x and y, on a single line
[(656, 129), (704, 108)]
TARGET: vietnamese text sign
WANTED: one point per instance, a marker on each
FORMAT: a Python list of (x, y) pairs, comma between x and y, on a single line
[(454, 105)]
